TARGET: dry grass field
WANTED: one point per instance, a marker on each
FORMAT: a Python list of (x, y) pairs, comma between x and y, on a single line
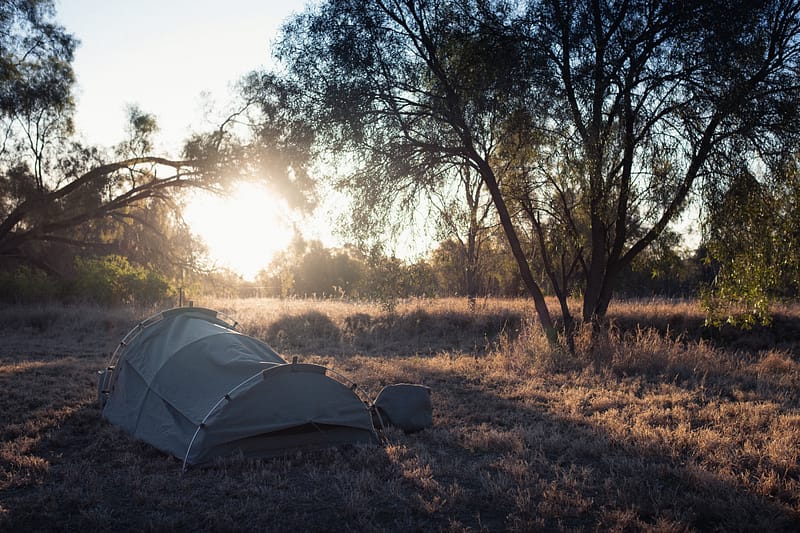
[(661, 425)]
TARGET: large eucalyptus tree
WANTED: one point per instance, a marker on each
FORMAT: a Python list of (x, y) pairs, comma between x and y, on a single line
[(590, 123)]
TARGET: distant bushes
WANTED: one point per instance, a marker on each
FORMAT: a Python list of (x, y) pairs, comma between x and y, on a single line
[(28, 285), (112, 279), (105, 280)]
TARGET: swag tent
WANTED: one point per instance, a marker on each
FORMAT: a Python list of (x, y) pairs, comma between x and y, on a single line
[(186, 382)]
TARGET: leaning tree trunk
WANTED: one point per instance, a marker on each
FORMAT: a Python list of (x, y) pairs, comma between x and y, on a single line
[(545, 319)]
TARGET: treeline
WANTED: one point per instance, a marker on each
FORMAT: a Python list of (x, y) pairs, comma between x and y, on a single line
[(107, 280), (308, 269), (311, 270)]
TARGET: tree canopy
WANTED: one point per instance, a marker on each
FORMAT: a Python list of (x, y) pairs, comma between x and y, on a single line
[(57, 193), (579, 131), (754, 243), (590, 123)]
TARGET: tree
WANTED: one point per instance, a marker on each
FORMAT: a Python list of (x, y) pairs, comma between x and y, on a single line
[(448, 262), (57, 193), (65, 207), (113, 279), (591, 122), (53, 190), (650, 98), (379, 84), (665, 268), (753, 241), (35, 61), (465, 224)]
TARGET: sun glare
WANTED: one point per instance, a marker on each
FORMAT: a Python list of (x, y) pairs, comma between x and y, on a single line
[(243, 231)]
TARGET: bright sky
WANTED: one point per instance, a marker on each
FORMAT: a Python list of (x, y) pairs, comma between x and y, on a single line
[(171, 58), (163, 55)]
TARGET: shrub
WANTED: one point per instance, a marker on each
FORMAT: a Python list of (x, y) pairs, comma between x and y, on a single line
[(112, 279), (27, 285)]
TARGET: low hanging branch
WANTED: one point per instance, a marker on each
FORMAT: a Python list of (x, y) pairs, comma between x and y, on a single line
[(101, 192)]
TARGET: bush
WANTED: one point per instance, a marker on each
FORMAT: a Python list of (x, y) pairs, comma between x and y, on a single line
[(27, 285), (112, 279)]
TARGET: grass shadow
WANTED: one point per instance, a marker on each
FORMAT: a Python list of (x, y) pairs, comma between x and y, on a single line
[(495, 460), (311, 331), (521, 465), (783, 333), (392, 334)]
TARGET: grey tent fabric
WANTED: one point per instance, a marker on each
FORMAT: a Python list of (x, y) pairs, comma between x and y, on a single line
[(406, 406), (187, 383)]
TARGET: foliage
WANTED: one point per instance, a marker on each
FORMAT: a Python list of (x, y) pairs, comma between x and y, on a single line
[(28, 285), (35, 56), (308, 269), (495, 274), (464, 219), (107, 280), (385, 280), (141, 128), (753, 240), (589, 123), (665, 268), (113, 280), (282, 141)]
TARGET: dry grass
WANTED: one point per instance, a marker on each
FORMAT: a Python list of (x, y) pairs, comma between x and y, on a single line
[(660, 425)]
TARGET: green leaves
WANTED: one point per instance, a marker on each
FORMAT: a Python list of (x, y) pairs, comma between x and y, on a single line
[(141, 128), (753, 239), (35, 58), (112, 279)]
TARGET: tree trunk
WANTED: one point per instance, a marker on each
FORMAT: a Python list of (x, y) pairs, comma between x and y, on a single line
[(470, 274), (569, 322), (596, 307), (595, 277), (522, 262)]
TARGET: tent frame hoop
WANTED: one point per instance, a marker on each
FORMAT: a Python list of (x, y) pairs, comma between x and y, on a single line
[(226, 397), (110, 379), (342, 379), (355, 387)]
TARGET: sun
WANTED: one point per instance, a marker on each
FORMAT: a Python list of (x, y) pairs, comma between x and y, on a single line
[(244, 230)]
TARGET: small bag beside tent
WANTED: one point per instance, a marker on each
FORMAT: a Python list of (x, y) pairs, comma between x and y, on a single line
[(406, 406), (189, 384)]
